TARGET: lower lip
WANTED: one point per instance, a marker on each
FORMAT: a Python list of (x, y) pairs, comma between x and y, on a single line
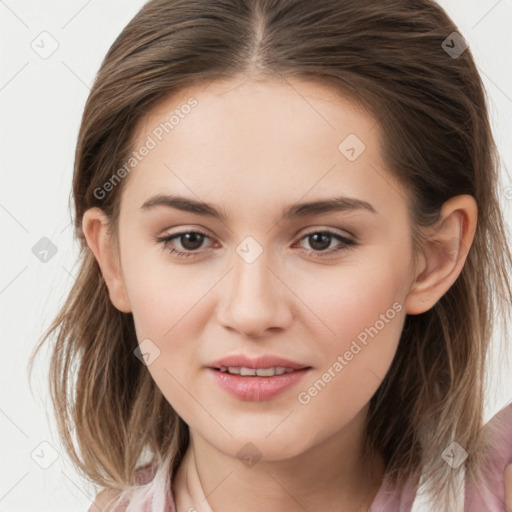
[(256, 389)]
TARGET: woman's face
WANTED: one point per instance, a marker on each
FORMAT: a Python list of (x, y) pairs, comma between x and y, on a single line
[(264, 282)]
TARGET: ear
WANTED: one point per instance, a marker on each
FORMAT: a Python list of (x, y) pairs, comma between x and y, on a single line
[(444, 254), (95, 226)]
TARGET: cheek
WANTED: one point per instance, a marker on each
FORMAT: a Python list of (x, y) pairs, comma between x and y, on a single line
[(167, 317), (356, 301), (364, 314), (171, 320), (160, 294), (168, 311), (354, 367)]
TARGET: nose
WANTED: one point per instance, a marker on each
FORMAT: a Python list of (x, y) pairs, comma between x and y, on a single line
[(256, 299)]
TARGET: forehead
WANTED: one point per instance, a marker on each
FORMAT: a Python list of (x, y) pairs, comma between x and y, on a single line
[(306, 108), (257, 138)]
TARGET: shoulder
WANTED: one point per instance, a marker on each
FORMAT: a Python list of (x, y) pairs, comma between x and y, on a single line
[(500, 425), (108, 499), (498, 435), (489, 493)]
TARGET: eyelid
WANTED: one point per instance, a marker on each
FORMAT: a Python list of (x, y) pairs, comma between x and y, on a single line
[(336, 231), (184, 228)]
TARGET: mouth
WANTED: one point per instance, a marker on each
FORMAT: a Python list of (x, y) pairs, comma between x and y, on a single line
[(244, 371), (256, 384), (245, 365)]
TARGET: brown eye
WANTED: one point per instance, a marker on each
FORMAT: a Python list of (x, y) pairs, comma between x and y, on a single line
[(191, 241), (320, 241)]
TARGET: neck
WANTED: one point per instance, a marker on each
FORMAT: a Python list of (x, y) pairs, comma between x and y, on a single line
[(331, 476)]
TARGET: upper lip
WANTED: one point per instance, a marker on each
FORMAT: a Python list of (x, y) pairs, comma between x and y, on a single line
[(266, 361)]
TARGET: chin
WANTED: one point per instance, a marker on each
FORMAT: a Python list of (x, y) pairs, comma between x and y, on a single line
[(260, 448)]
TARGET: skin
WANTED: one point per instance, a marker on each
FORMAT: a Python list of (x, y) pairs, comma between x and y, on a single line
[(252, 148)]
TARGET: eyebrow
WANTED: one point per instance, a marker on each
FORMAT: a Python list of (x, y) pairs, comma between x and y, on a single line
[(334, 204)]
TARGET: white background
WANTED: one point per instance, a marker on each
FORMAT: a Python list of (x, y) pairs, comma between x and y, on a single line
[(41, 103)]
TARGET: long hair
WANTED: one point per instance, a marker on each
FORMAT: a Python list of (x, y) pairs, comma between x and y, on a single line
[(389, 56)]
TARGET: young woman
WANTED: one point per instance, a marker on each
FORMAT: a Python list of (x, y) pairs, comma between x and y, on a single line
[(293, 256)]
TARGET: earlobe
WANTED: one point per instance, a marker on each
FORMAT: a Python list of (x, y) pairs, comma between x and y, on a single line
[(444, 254), (95, 226)]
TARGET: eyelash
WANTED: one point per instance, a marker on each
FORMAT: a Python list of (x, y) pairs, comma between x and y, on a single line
[(347, 244)]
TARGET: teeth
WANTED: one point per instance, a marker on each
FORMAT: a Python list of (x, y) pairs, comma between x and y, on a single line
[(260, 372)]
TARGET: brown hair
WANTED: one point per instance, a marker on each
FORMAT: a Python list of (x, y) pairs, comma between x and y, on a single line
[(387, 55)]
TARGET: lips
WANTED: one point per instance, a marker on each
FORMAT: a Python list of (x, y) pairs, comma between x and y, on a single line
[(242, 381), (261, 362), (256, 389)]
